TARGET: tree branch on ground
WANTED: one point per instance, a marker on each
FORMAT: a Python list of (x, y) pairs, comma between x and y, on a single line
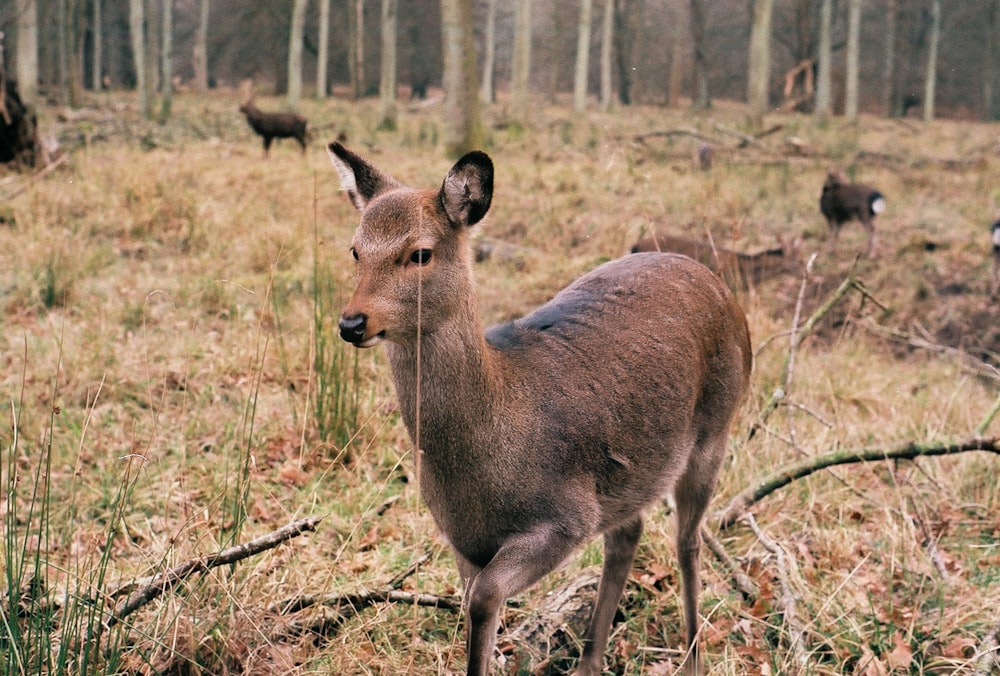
[(740, 503), (989, 653)]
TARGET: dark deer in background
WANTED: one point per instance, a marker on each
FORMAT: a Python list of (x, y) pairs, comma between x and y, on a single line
[(995, 240), (556, 427), (270, 126), (741, 271), (841, 201)]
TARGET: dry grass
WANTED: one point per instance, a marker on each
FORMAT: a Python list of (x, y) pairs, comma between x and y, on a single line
[(157, 351)]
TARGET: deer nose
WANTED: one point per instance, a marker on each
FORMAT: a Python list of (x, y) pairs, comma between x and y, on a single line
[(352, 329)]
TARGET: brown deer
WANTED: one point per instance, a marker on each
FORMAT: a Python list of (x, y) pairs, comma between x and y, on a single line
[(741, 271), (995, 239), (270, 126), (841, 201), (556, 427)]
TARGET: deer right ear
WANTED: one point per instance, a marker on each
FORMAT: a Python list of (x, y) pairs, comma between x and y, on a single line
[(468, 189), (358, 178)]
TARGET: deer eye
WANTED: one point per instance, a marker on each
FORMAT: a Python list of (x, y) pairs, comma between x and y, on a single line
[(421, 256), (354, 252)]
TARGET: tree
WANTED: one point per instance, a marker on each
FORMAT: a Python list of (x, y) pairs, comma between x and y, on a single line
[(624, 33), (137, 21), (582, 56), (607, 41), (853, 48), (521, 60), (166, 59), (356, 48), (323, 49), (700, 97), (97, 61), (200, 51), (932, 59), (465, 130), (27, 50), (889, 62), (824, 84), (295, 39), (387, 80), (759, 75), (990, 66), (487, 90)]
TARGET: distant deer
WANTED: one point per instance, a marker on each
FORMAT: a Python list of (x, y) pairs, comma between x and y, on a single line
[(740, 271), (556, 427), (270, 126), (704, 156), (841, 201), (995, 239)]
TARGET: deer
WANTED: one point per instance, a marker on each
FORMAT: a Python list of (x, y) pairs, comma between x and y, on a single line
[(995, 240), (841, 201), (535, 435), (270, 126), (741, 271)]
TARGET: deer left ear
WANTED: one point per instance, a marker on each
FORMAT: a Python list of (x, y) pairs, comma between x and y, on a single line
[(360, 179), (468, 189)]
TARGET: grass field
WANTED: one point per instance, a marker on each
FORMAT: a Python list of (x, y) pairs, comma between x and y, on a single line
[(173, 385)]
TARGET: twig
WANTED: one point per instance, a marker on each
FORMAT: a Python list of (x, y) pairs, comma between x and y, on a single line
[(739, 504), (744, 585), (989, 653), (988, 419), (965, 360), (164, 581)]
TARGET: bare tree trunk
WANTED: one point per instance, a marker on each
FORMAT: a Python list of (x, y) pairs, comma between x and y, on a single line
[(63, 49), (759, 76), (607, 41), (201, 48), (624, 44), (323, 50), (889, 65), (295, 37), (582, 56), (487, 90), (824, 88), (27, 51), (990, 61), (853, 49), (166, 60), (932, 58), (465, 129), (700, 97), (137, 19), (387, 80), (358, 49), (521, 61), (97, 63)]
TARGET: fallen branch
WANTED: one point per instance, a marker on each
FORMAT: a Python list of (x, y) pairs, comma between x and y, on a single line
[(989, 653), (158, 584), (966, 361), (739, 504), (641, 138), (746, 587)]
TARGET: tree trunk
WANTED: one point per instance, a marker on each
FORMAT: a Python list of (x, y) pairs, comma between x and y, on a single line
[(295, 38), (932, 58), (521, 61), (759, 75), (63, 49), (853, 49), (137, 19), (823, 77), (889, 106), (700, 98), (464, 127), (358, 49), (624, 42), (487, 90), (387, 79), (97, 62), (166, 60), (201, 48), (27, 51), (323, 49), (990, 61), (607, 41), (582, 57)]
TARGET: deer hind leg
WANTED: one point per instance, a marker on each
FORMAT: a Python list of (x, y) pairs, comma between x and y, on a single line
[(619, 551), (869, 225), (521, 561), (692, 496)]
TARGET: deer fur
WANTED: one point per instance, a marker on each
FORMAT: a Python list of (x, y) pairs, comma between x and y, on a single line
[(740, 271), (270, 126), (556, 427), (841, 201), (995, 241)]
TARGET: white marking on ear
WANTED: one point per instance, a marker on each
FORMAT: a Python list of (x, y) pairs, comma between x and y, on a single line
[(348, 181)]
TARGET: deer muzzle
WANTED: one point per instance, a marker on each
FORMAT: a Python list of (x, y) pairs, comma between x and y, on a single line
[(353, 329)]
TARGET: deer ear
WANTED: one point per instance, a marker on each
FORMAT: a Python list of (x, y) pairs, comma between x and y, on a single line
[(468, 189), (360, 179)]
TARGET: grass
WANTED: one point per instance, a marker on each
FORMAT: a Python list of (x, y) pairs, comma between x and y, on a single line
[(173, 383)]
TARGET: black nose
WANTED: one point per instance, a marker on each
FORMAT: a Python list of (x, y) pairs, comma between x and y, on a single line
[(352, 329)]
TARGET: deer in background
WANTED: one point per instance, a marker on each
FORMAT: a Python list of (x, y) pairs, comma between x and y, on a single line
[(995, 240), (741, 271), (841, 201), (554, 428), (270, 126)]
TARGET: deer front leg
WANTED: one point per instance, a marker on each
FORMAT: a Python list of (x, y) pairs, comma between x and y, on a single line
[(619, 551), (521, 561)]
